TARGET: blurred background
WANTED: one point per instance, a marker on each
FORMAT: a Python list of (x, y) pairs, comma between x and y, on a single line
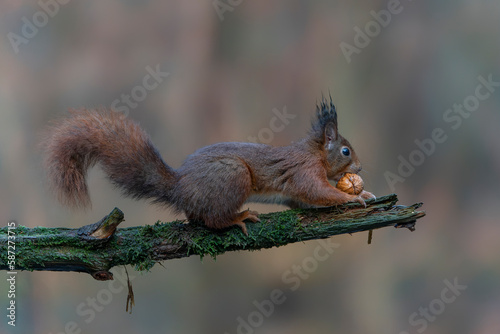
[(196, 73)]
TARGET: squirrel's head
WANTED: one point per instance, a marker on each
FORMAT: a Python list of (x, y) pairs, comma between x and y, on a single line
[(340, 155)]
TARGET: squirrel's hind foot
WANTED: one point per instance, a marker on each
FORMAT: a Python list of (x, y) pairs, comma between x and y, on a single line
[(252, 216)]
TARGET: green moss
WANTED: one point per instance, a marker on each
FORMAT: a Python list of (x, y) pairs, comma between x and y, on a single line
[(261, 235), (62, 248)]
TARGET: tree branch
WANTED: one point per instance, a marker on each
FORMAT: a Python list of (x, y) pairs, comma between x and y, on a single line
[(98, 247)]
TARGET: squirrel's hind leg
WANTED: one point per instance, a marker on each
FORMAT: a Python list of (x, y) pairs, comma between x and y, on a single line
[(216, 195)]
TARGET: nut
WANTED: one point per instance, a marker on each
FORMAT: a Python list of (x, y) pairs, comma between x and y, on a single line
[(351, 184)]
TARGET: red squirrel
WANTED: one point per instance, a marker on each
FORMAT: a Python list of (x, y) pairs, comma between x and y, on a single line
[(214, 182)]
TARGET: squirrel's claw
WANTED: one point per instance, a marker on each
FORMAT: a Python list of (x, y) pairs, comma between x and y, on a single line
[(243, 227), (367, 195), (360, 200), (252, 216)]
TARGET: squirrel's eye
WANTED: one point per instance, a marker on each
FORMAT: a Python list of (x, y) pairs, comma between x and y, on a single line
[(346, 151)]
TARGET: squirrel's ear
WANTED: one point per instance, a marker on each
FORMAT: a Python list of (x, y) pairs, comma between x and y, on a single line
[(331, 135), (324, 128)]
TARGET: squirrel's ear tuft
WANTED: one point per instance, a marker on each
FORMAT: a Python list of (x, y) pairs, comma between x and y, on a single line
[(324, 127)]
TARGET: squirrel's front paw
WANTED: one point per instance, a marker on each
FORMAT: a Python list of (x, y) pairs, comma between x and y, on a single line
[(367, 195), (358, 199)]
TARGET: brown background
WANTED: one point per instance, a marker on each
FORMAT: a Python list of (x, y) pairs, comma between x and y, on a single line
[(226, 77)]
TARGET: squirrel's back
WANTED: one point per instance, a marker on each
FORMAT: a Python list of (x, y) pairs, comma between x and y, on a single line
[(124, 151)]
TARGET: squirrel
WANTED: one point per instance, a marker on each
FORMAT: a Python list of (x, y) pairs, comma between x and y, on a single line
[(214, 182)]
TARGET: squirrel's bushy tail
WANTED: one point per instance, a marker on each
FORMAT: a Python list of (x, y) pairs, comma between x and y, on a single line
[(119, 145)]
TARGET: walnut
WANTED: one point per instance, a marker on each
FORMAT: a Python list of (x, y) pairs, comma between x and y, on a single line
[(351, 184)]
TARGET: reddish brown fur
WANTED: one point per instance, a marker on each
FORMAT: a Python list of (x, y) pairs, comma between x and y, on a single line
[(214, 182), (124, 150)]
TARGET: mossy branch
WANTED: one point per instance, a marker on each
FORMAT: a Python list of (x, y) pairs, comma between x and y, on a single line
[(98, 247)]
